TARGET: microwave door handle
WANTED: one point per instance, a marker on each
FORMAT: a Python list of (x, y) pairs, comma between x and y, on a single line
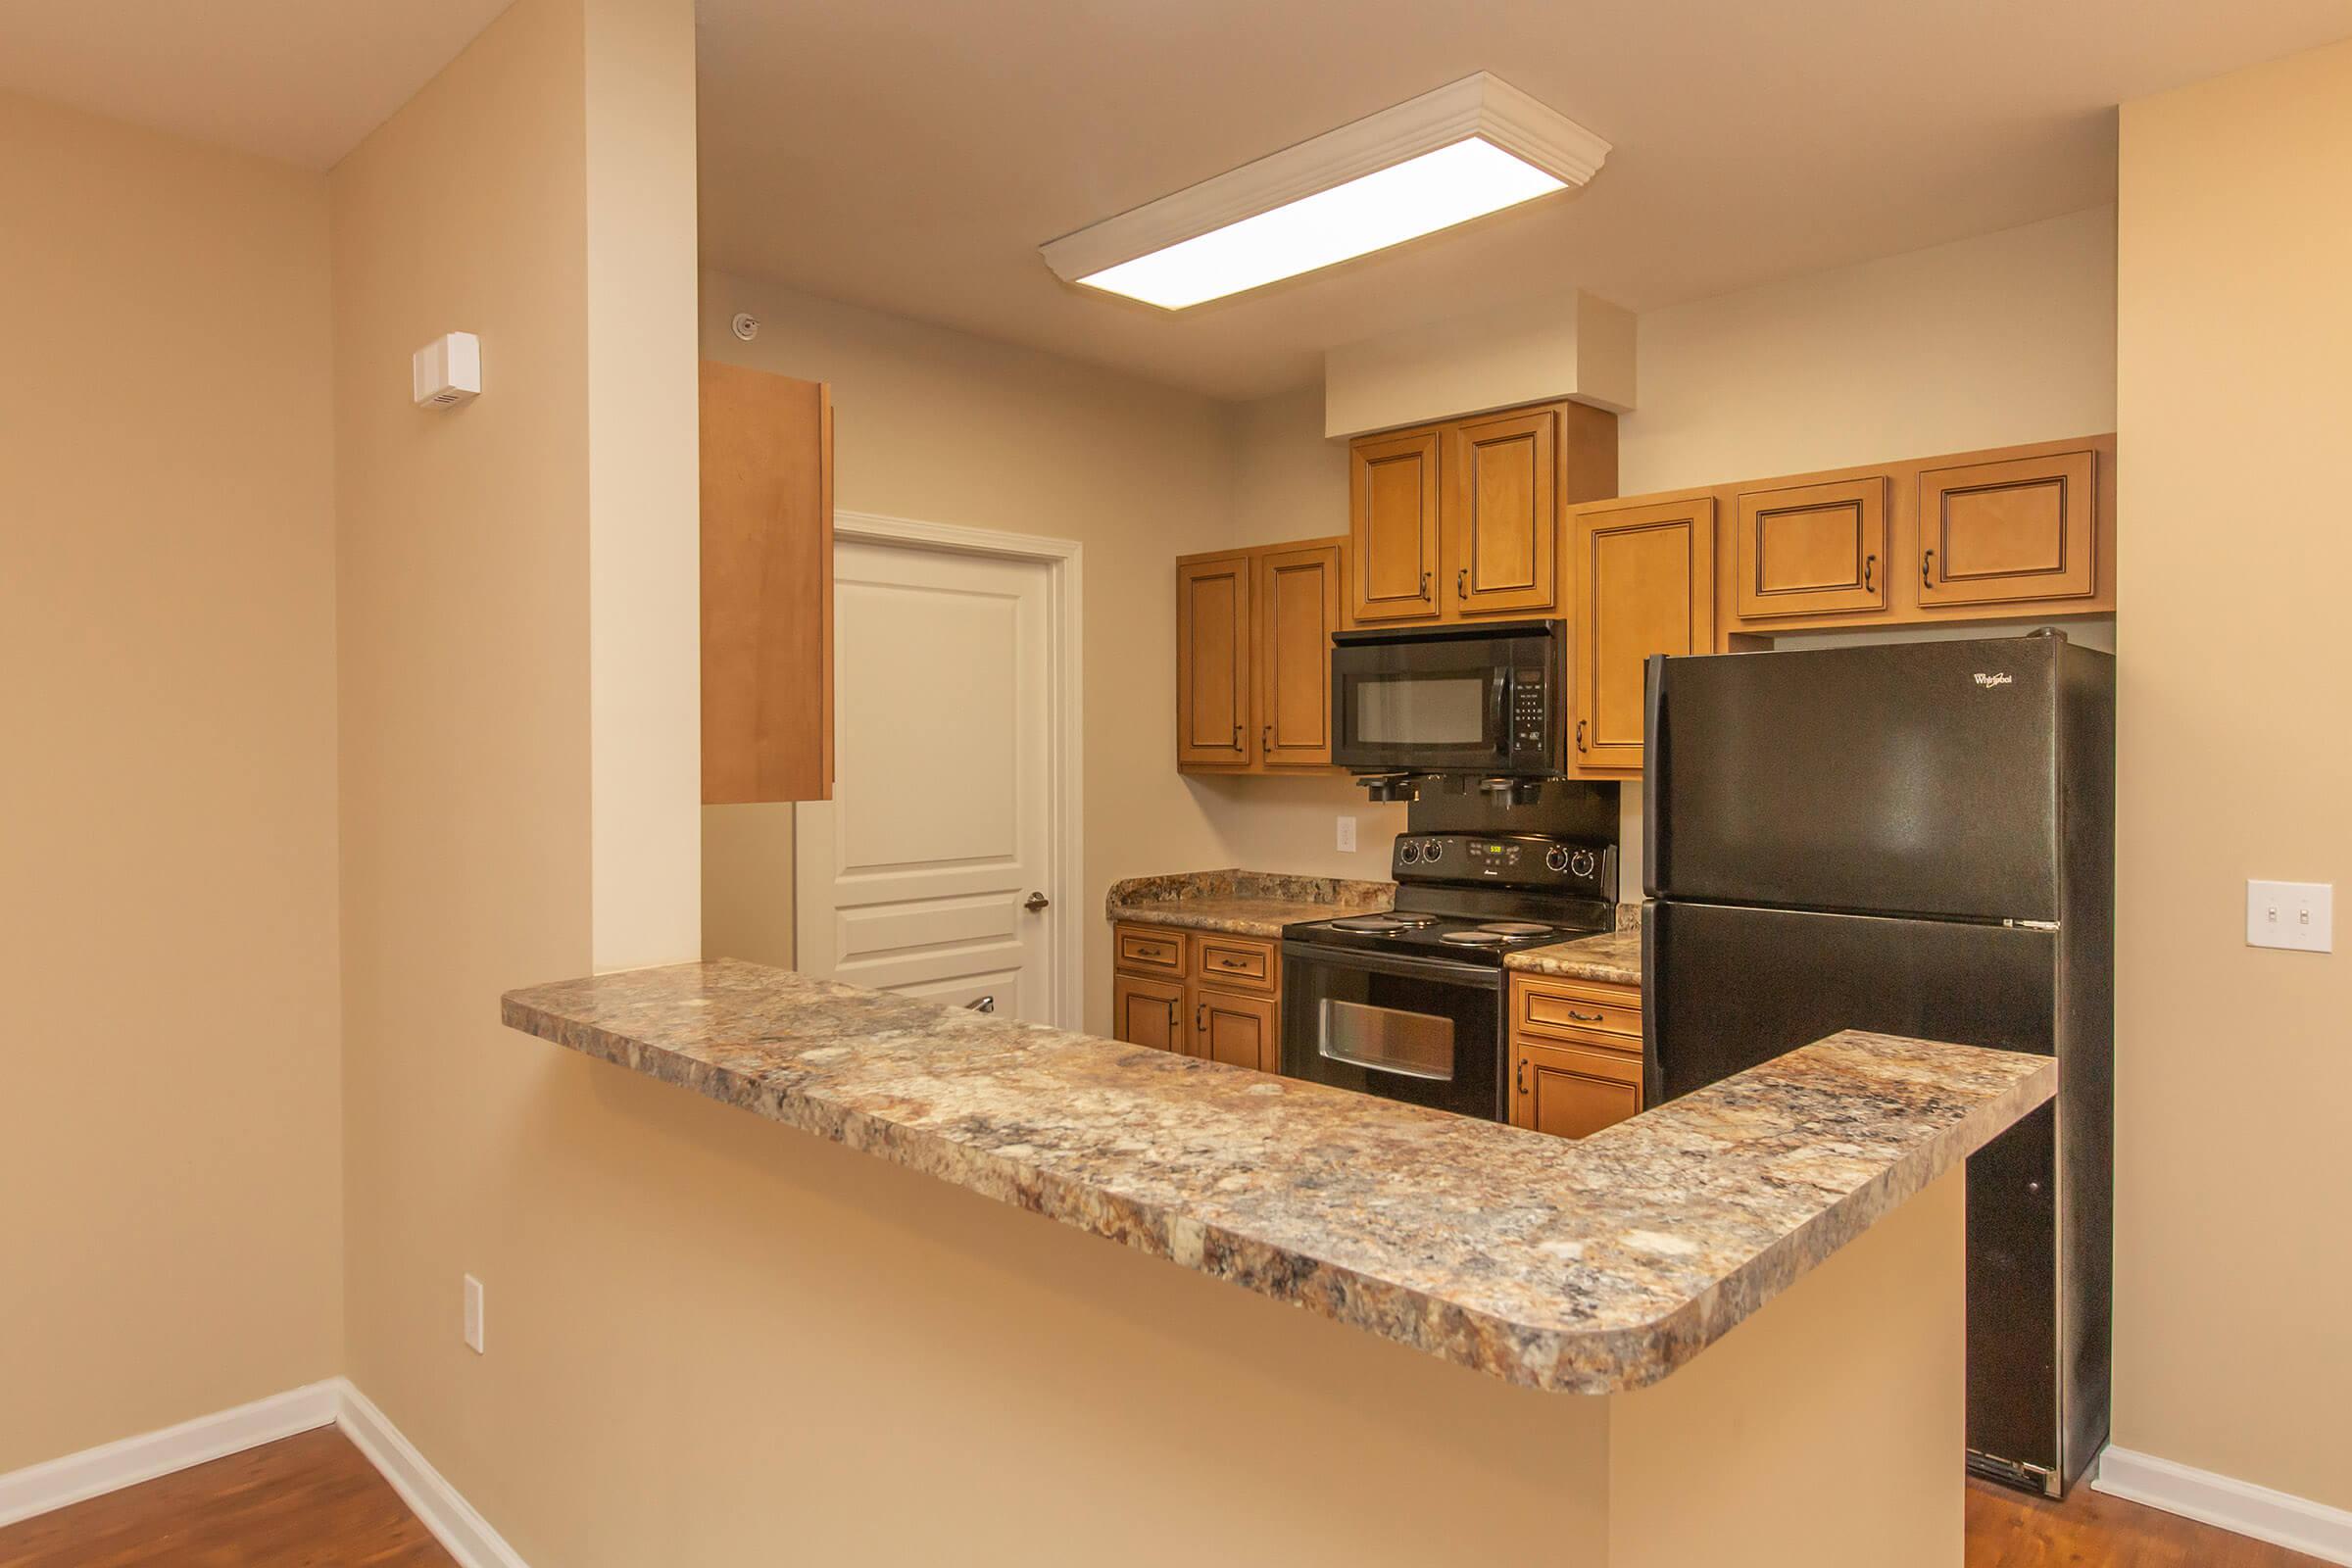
[(1498, 719)]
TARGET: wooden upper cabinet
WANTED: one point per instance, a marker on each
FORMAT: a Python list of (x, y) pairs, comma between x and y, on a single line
[(1394, 502), (1298, 599), (1994, 532), (768, 587), (1501, 518), (1645, 583), (1212, 662), (1811, 549)]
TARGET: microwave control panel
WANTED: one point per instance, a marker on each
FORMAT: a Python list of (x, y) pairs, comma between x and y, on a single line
[(1530, 713)]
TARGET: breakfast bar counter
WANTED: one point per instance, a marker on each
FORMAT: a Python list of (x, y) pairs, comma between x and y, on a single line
[(1591, 1267)]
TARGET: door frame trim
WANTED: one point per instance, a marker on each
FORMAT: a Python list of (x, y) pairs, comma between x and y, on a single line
[(1064, 561)]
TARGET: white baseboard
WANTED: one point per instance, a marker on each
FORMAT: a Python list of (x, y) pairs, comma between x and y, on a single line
[(2239, 1506), (453, 1522), (110, 1467), (128, 1461)]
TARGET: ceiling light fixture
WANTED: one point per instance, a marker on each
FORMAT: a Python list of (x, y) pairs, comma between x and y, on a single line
[(1473, 147)]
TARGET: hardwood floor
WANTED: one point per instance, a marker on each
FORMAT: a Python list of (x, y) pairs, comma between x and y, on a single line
[(313, 1500), (308, 1501), (2091, 1530)]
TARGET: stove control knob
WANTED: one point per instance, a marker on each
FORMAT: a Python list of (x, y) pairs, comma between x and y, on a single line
[(1556, 858), (1407, 851), (1433, 848), (1581, 863)]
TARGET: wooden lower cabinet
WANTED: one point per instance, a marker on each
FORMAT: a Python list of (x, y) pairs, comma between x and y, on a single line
[(1148, 1012), (1201, 993), (1240, 1031), (1575, 1055)]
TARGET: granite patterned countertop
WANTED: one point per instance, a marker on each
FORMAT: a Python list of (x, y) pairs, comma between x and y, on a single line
[(1614, 958), (1240, 904), (1588, 1266)]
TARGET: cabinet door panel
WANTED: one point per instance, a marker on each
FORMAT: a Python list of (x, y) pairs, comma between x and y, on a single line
[(1998, 532), (1237, 1030), (1812, 549), (1392, 512), (1212, 662), (1502, 518), (1570, 1092), (1644, 584), (1148, 1012), (1299, 609)]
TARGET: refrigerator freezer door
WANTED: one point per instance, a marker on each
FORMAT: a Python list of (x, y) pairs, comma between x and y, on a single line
[(1728, 988), (1913, 780)]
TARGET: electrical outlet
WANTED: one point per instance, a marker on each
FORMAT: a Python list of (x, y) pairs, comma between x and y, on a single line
[(1347, 832), (2300, 915), (474, 1315)]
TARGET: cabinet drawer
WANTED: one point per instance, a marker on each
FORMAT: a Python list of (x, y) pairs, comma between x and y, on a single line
[(1148, 949), (1235, 961), (1609, 1016)]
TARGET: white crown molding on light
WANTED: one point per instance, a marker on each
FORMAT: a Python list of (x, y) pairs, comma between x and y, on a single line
[(2238, 1506), (1483, 105)]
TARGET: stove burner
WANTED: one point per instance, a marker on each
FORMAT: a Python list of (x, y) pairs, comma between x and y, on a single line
[(1475, 938), (1516, 928), (1383, 922)]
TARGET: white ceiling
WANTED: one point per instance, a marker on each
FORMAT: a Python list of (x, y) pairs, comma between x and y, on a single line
[(910, 154), (299, 80)]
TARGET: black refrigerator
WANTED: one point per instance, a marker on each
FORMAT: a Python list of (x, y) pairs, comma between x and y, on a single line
[(1917, 839)]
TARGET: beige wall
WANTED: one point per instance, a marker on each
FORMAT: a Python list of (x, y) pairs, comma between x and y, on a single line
[(943, 428), (169, 1124), (2234, 1065)]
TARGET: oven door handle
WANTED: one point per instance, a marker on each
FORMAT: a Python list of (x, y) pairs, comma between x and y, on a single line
[(1412, 967)]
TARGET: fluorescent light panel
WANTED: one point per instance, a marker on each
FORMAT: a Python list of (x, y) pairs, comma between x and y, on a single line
[(1462, 151), (1404, 201)]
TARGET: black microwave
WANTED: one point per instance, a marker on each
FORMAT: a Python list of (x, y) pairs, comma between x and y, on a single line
[(1466, 698)]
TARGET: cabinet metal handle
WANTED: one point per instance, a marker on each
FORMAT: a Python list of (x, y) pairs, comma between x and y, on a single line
[(1236, 734), (1588, 1017), (1265, 738), (1201, 1018), (1926, 569), (1461, 583), (1523, 1075), (1869, 564), (1175, 1011), (1233, 963), (1579, 735)]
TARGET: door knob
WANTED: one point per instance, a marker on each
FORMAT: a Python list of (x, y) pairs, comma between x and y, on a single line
[(1035, 901), (983, 1004)]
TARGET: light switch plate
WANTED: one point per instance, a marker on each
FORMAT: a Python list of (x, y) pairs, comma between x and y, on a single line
[(2300, 915), (1347, 832)]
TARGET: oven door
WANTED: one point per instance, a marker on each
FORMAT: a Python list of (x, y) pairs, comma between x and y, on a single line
[(1420, 1030)]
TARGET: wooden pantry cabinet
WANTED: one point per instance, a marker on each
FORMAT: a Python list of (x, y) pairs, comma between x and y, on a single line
[(1253, 657), (1198, 993), (767, 586), (1575, 1055), (1459, 520)]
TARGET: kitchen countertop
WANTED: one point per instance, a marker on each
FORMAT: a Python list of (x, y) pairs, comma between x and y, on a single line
[(1614, 958), (1240, 904), (1587, 1266)]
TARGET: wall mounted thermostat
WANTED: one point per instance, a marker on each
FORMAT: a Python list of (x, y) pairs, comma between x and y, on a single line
[(447, 372)]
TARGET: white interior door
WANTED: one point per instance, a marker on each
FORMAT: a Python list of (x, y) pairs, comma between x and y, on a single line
[(919, 875)]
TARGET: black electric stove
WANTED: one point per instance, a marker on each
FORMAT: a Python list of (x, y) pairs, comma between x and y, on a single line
[(1409, 1003)]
